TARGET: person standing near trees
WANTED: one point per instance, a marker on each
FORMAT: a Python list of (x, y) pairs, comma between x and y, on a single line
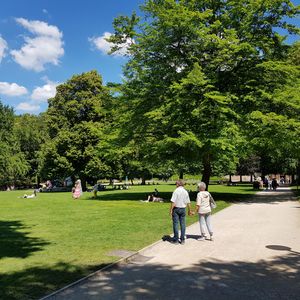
[(77, 189), (179, 201)]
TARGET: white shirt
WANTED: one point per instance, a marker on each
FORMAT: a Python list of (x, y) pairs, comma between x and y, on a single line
[(203, 200), (180, 197)]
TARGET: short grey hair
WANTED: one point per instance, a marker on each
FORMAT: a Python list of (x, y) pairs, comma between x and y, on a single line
[(202, 185)]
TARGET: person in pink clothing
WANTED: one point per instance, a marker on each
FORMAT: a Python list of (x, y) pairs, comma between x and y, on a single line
[(77, 189)]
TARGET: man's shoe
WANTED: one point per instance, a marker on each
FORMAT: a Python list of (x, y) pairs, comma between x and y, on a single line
[(201, 238), (182, 242), (175, 242)]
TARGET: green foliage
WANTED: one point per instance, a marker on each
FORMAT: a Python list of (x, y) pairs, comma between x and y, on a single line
[(31, 132), (196, 70), (274, 127), (13, 165), (76, 120)]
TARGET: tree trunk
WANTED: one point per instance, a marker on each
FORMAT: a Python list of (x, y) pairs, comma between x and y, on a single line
[(230, 180), (181, 175), (241, 178), (143, 181), (83, 183), (73, 178), (206, 170), (251, 178), (298, 174)]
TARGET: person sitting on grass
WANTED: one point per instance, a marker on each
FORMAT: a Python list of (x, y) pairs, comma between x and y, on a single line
[(154, 197)]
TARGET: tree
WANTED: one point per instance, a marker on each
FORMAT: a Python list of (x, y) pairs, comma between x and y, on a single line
[(273, 128), (13, 166), (76, 120), (196, 69), (31, 132)]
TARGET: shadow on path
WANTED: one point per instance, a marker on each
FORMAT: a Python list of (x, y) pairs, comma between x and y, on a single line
[(265, 196), (278, 278)]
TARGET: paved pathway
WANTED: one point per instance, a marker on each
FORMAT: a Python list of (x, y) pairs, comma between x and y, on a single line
[(255, 255)]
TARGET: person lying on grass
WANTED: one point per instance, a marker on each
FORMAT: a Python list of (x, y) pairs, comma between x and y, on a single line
[(30, 196)]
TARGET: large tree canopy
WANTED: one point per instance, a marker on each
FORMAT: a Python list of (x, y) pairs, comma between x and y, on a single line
[(76, 120), (196, 70)]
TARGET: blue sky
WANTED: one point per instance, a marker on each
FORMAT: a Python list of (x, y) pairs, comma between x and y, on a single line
[(45, 42)]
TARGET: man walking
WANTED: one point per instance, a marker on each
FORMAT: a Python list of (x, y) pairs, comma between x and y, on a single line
[(179, 201)]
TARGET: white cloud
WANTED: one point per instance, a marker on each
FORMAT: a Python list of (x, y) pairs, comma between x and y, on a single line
[(12, 89), (43, 93), (3, 48), (40, 28), (28, 107), (46, 47), (104, 46)]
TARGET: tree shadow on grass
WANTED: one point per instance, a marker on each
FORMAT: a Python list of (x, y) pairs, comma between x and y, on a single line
[(232, 197), (278, 278), (246, 196), (37, 282), (166, 196), (14, 242), (127, 196)]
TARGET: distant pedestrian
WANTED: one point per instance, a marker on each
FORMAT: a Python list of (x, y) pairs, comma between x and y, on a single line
[(270, 183), (266, 183), (274, 184), (179, 201), (77, 189), (205, 204)]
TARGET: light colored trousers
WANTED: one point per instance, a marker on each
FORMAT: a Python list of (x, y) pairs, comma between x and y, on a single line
[(205, 221)]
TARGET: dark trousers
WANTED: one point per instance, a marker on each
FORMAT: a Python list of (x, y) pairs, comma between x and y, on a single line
[(178, 217)]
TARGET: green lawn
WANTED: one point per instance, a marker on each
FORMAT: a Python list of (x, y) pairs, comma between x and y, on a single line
[(296, 190), (50, 241)]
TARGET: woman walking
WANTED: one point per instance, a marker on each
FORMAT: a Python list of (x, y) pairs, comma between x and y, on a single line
[(205, 204), (77, 189)]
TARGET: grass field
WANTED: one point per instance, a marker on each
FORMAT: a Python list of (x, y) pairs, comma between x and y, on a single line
[(52, 240)]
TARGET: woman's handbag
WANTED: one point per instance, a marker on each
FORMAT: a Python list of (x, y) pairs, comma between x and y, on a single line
[(212, 202)]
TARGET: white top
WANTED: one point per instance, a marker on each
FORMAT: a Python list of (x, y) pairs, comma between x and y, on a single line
[(180, 197), (203, 200)]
